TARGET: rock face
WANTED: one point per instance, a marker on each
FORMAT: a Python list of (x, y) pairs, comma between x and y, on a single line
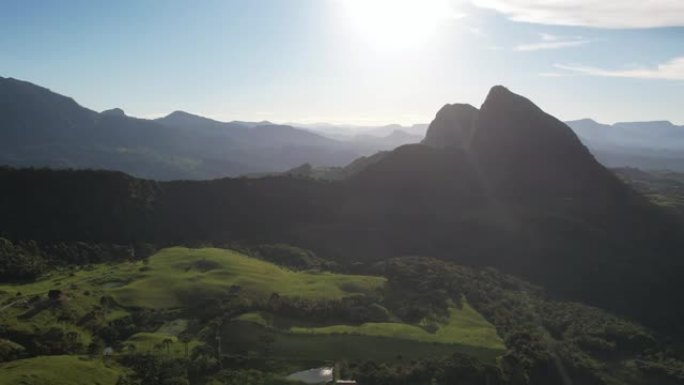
[(544, 207), (452, 127), (524, 150)]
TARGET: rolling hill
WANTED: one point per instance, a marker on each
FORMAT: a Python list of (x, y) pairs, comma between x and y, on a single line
[(58, 370), (177, 282), (169, 309)]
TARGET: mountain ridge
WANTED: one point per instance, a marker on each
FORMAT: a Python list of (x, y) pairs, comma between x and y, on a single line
[(43, 128), (541, 208)]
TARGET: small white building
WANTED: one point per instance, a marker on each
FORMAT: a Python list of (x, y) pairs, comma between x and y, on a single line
[(319, 376)]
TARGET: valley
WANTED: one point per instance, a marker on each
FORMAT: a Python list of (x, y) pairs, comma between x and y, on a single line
[(342, 192), (498, 250)]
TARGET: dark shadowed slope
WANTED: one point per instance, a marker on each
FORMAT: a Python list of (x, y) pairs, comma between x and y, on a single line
[(525, 197), (452, 127), (521, 147)]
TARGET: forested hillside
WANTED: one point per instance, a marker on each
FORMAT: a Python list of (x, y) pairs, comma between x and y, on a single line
[(404, 320), (515, 194), (536, 204)]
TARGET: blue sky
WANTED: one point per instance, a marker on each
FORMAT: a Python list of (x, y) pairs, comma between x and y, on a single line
[(350, 61)]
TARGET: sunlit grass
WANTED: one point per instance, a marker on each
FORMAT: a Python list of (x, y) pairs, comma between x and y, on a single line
[(59, 370), (178, 274), (465, 326)]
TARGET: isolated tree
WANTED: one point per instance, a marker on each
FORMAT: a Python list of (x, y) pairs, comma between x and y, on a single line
[(167, 344), (107, 302), (185, 338)]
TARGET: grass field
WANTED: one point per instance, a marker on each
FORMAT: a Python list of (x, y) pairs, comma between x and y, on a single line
[(176, 275), (154, 342), (465, 331), (243, 336), (24, 308), (465, 326), (58, 370)]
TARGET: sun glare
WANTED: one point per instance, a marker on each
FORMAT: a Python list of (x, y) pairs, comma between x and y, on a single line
[(397, 23)]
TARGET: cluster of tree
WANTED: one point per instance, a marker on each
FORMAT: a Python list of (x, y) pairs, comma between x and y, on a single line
[(580, 243), (295, 258), (247, 377), (456, 369), (348, 310), (118, 330), (205, 305), (82, 253), (414, 292), (27, 260), (21, 261), (10, 350), (550, 341), (662, 187), (199, 368), (152, 370), (415, 201)]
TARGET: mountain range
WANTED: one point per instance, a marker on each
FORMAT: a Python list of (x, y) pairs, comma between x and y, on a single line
[(656, 145), (42, 128), (506, 185)]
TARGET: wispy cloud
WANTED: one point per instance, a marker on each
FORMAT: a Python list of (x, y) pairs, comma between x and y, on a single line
[(557, 74), (592, 13), (670, 70), (552, 42)]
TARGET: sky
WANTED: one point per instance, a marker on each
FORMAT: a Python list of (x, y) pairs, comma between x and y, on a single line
[(365, 62)]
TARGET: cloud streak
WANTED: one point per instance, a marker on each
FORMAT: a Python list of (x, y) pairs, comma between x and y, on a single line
[(552, 42), (592, 13), (670, 70)]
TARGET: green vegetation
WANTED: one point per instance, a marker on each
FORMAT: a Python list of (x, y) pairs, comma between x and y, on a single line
[(464, 326), (59, 370), (160, 343), (165, 340), (418, 318), (27, 310), (178, 275), (664, 188), (465, 331), (256, 317), (246, 337)]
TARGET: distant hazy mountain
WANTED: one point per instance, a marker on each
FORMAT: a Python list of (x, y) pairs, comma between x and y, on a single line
[(348, 132), (648, 145), (41, 128), (389, 141)]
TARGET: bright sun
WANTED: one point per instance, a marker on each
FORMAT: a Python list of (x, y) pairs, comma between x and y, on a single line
[(397, 23)]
